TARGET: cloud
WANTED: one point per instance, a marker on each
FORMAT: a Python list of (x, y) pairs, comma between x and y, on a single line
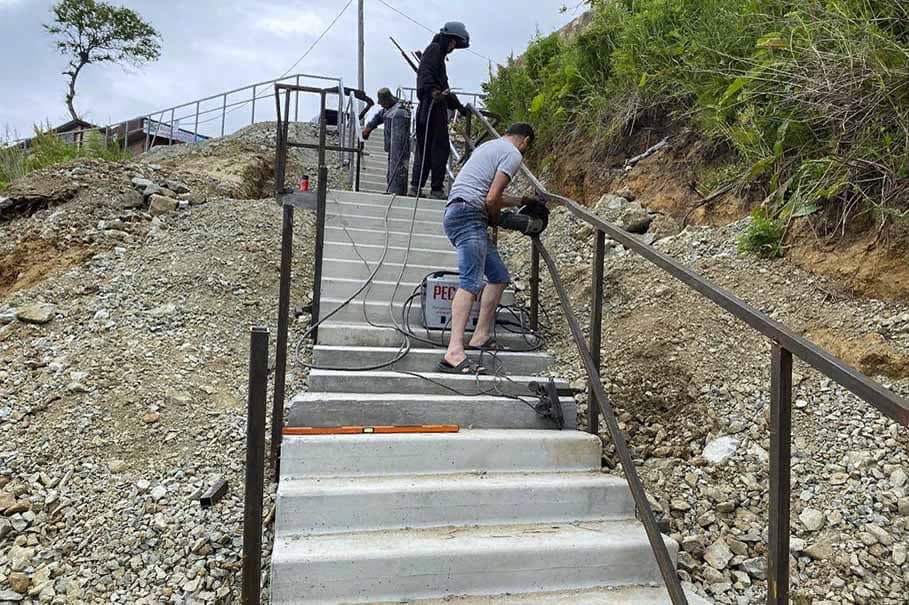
[(289, 26)]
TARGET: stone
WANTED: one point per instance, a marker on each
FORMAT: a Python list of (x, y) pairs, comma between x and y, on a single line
[(20, 557), (19, 581), (6, 500), (626, 193), (151, 417), (176, 186), (880, 534), (37, 313), (718, 555), (143, 485), (159, 205), (664, 226), (903, 506), (812, 519), (164, 310), (158, 492), (20, 506), (679, 504), (737, 547), (720, 450), (693, 545), (141, 183), (756, 567), (712, 576), (820, 551), (636, 220), (117, 466), (897, 478), (10, 596), (900, 553), (7, 316)]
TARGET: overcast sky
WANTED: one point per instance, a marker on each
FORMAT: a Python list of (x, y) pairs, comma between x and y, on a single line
[(210, 46)]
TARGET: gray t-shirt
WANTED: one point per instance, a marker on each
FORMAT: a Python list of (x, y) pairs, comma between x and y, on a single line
[(476, 177)]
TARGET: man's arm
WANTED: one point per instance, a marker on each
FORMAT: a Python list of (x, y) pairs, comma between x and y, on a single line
[(374, 123), (497, 199)]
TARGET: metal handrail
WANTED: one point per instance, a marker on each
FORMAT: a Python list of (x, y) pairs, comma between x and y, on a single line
[(785, 344)]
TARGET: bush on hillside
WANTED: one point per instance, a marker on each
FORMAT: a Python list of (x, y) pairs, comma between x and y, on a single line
[(813, 95)]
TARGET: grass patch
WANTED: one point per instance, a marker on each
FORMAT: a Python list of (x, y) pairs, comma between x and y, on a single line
[(46, 149), (764, 235)]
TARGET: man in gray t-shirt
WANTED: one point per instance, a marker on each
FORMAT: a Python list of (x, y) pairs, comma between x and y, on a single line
[(474, 203)]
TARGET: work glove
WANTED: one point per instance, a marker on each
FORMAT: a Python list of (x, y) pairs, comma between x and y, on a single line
[(438, 95)]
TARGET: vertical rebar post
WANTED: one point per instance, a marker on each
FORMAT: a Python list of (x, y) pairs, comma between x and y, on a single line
[(534, 288), (255, 467), (297, 102), (170, 140), (147, 126), (596, 329), (780, 475), (321, 201)]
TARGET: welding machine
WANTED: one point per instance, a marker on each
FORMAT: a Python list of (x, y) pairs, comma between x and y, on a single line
[(436, 294)]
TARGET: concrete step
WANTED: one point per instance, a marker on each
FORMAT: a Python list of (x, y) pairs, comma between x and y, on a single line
[(422, 227), (331, 506), (360, 197), (435, 563), (374, 180), (396, 254), (401, 208), (355, 269), (378, 237), (377, 311), (469, 451), (611, 595), (430, 383), (364, 335), (365, 409), (424, 360)]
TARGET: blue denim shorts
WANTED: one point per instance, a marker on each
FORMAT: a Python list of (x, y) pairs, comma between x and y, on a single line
[(466, 228)]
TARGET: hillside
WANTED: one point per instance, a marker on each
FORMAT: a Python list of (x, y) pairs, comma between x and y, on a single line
[(794, 112)]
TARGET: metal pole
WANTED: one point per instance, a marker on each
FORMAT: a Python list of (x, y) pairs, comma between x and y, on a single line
[(223, 113), (255, 467), (596, 329), (170, 141), (534, 288), (361, 49), (196, 127), (147, 127), (277, 416), (253, 120), (322, 196), (780, 477), (297, 103)]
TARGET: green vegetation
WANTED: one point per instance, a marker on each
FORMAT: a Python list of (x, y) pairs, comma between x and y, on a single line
[(811, 95), (47, 149), (764, 235)]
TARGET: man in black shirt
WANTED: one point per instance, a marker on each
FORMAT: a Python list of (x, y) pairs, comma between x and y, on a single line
[(434, 94)]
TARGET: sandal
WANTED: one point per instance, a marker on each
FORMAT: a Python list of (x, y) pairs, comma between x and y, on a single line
[(489, 344), (466, 368)]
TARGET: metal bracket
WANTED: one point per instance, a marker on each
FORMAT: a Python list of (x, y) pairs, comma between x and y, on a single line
[(550, 405)]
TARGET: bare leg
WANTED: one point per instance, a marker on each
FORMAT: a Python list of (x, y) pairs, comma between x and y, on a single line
[(460, 312), (492, 296)]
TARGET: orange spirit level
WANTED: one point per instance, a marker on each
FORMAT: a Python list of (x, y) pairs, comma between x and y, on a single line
[(371, 430)]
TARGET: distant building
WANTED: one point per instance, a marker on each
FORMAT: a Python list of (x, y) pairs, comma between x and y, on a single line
[(141, 133)]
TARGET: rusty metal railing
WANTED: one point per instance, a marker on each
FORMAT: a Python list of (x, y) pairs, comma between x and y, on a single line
[(785, 345)]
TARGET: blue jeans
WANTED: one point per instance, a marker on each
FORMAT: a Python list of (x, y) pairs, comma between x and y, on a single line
[(466, 228)]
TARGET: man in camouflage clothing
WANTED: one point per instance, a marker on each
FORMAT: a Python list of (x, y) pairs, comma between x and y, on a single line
[(396, 118)]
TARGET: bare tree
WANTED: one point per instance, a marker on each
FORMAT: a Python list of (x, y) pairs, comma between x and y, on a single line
[(87, 31)]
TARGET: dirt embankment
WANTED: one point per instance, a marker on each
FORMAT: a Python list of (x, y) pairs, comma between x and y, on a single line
[(674, 181)]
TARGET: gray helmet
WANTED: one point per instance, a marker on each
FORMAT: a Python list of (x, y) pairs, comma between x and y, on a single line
[(458, 31)]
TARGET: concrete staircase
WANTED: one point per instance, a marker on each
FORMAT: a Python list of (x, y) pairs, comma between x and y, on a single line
[(507, 510)]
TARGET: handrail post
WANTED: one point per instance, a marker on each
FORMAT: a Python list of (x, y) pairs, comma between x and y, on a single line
[(287, 235), (780, 475), (170, 140), (255, 467), (596, 329), (534, 288), (253, 118), (468, 135), (297, 102), (196, 127), (321, 200)]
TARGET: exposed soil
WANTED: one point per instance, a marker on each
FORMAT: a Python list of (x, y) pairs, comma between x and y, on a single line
[(32, 261)]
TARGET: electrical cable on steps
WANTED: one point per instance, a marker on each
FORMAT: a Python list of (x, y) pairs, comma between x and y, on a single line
[(406, 346)]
